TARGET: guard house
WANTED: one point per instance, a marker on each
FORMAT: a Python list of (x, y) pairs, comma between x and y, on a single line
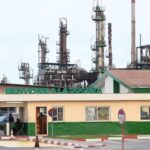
[(74, 113)]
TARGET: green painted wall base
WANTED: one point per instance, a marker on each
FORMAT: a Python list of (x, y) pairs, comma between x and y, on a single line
[(91, 128), (101, 128), (29, 129)]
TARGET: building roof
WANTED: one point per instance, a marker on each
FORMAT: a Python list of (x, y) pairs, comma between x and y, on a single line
[(137, 81), (133, 78)]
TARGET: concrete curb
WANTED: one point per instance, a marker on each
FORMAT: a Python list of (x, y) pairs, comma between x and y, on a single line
[(65, 143), (126, 137), (80, 140)]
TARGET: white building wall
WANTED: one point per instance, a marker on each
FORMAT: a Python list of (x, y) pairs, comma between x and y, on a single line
[(108, 85), (123, 89)]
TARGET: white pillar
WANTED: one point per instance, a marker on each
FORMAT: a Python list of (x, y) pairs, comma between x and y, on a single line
[(7, 129)]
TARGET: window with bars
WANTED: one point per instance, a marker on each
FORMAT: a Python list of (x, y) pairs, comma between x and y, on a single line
[(5, 110), (58, 113), (145, 113)]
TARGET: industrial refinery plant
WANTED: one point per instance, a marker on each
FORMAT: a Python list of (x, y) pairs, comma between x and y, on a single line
[(64, 74)]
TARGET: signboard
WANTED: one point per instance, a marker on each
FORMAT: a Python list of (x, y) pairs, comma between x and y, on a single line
[(121, 116), (52, 112), (26, 91), (52, 90)]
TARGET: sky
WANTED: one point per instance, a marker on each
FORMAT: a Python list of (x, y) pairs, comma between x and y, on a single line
[(22, 20)]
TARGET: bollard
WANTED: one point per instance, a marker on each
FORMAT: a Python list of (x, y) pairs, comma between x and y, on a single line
[(37, 142)]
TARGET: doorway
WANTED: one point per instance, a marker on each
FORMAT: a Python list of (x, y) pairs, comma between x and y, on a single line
[(41, 120)]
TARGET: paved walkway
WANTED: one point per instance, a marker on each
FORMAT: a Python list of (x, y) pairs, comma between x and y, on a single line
[(25, 141), (85, 143)]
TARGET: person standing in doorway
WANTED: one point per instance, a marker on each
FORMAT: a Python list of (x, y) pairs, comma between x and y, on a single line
[(42, 123), (11, 118)]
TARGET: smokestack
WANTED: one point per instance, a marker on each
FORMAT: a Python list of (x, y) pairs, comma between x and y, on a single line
[(133, 34), (110, 44)]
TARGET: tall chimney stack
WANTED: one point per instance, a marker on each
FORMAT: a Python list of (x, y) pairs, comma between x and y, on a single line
[(110, 44), (133, 33)]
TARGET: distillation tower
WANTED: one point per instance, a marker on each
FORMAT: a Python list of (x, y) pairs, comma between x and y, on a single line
[(60, 74), (99, 45), (42, 52), (63, 52), (25, 72)]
